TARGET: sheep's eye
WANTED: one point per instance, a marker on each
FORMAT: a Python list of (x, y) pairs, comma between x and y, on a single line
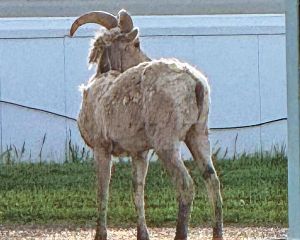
[(137, 44)]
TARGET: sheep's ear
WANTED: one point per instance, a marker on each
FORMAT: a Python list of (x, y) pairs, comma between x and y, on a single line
[(131, 36), (104, 64)]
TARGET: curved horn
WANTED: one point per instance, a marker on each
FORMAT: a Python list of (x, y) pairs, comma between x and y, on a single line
[(103, 18), (125, 21)]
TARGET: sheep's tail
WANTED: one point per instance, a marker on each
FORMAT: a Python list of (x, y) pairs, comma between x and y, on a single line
[(199, 97), (203, 101)]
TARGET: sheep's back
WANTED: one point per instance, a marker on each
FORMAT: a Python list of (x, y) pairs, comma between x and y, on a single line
[(120, 111), (170, 101), (150, 104)]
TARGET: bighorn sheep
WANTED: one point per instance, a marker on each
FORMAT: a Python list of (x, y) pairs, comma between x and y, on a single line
[(133, 104)]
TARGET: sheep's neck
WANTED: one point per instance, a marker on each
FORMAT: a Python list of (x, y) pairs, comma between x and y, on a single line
[(142, 57)]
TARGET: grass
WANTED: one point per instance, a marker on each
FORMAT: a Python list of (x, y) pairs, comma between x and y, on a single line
[(254, 190)]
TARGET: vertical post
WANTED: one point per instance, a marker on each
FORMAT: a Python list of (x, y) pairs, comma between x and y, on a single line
[(293, 87)]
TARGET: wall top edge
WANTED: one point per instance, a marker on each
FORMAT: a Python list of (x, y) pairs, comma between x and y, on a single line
[(183, 25)]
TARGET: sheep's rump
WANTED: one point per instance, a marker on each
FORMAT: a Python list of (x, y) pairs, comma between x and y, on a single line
[(150, 105)]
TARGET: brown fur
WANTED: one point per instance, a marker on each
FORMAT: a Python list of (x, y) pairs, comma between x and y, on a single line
[(118, 109), (132, 105)]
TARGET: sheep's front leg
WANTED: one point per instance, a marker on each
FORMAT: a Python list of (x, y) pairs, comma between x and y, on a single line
[(139, 171), (103, 167)]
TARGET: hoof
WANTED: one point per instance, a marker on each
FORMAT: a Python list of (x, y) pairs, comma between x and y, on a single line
[(180, 238), (143, 237), (142, 233), (101, 237), (218, 233)]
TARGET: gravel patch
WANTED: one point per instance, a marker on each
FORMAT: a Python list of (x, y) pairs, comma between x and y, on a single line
[(230, 233)]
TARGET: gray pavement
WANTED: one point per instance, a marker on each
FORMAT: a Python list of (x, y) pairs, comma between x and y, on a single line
[(60, 8)]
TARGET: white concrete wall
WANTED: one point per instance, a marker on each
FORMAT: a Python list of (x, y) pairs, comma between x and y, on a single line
[(242, 55)]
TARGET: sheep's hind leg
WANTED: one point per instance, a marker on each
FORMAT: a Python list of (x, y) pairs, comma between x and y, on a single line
[(198, 143), (103, 168), (184, 185), (139, 171)]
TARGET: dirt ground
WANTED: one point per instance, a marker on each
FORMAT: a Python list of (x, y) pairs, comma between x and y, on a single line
[(230, 233)]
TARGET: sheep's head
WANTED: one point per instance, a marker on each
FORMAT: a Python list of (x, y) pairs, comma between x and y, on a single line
[(117, 46)]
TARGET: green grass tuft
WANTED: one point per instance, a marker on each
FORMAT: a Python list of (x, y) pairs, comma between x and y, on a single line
[(254, 190)]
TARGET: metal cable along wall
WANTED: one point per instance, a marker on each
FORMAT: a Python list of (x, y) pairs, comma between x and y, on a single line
[(74, 119)]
